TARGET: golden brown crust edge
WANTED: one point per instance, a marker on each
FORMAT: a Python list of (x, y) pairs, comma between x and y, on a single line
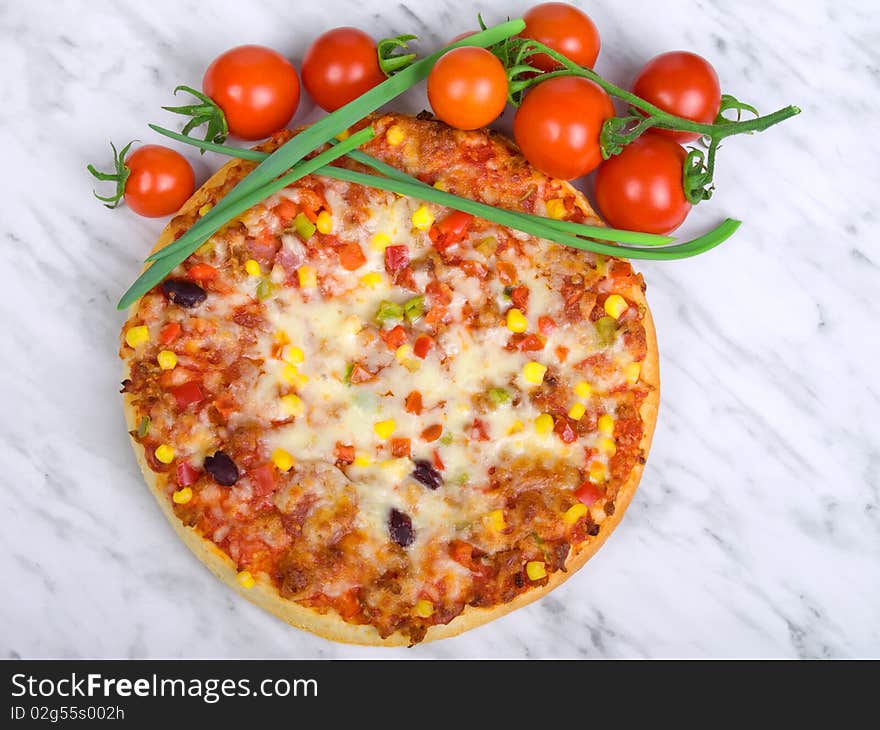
[(330, 625)]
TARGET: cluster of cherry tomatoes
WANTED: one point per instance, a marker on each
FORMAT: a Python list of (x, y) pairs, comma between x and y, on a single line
[(557, 125)]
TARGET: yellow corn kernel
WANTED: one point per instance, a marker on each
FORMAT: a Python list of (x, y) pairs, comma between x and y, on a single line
[(308, 277), (394, 135), (292, 354), (515, 427), (423, 608), (343, 135), (290, 374), (412, 364), (583, 389), (282, 459), (402, 353), (167, 360), (632, 372), (164, 453), (576, 412), (516, 321), (556, 208), (182, 496), (605, 424), (422, 218), (607, 446), (494, 520), (615, 305), (293, 404), (440, 185), (281, 338), (245, 579), (205, 209), (384, 429), (574, 513), (253, 267), (533, 372), (372, 280), (362, 460), (380, 241), (544, 423), (535, 570), (324, 224), (137, 335), (598, 472)]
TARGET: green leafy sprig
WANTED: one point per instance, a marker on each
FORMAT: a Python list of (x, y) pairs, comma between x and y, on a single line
[(206, 112)]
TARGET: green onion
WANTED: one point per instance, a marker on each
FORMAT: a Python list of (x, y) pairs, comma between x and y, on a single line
[(349, 369), (533, 225), (388, 312), (158, 270), (327, 128), (428, 192), (414, 308), (143, 427), (653, 246), (446, 438), (303, 227), (606, 328), (499, 396)]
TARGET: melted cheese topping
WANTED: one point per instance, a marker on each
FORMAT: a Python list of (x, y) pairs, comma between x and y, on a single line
[(465, 364)]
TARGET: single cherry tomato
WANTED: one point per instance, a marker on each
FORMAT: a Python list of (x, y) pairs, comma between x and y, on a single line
[(641, 188), (257, 89), (566, 30), (558, 124), (339, 66), (160, 180), (467, 87), (683, 84)]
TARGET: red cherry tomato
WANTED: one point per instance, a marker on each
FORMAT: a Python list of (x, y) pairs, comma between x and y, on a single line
[(641, 188), (558, 124), (467, 87), (339, 66), (159, 182), (257, 89), (683, 84), (566, 30)]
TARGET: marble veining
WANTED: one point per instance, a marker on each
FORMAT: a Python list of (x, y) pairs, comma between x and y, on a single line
[(756, 530)]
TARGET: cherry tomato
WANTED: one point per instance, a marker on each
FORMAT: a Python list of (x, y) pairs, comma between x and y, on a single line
[(339, 66), (257, 89), (558, 124), (683, 84), (566, 30), (467, 87), (159, 182), (641, 188)]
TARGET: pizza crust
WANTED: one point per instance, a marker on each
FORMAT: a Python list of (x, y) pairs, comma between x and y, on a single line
[(330, 625)]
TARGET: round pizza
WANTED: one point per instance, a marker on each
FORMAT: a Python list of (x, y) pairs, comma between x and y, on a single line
[(383, 420)]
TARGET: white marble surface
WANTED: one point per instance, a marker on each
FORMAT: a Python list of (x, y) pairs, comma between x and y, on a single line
[(756, 531)]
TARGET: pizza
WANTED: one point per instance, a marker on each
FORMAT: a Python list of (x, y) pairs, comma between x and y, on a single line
[(382, 420)]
